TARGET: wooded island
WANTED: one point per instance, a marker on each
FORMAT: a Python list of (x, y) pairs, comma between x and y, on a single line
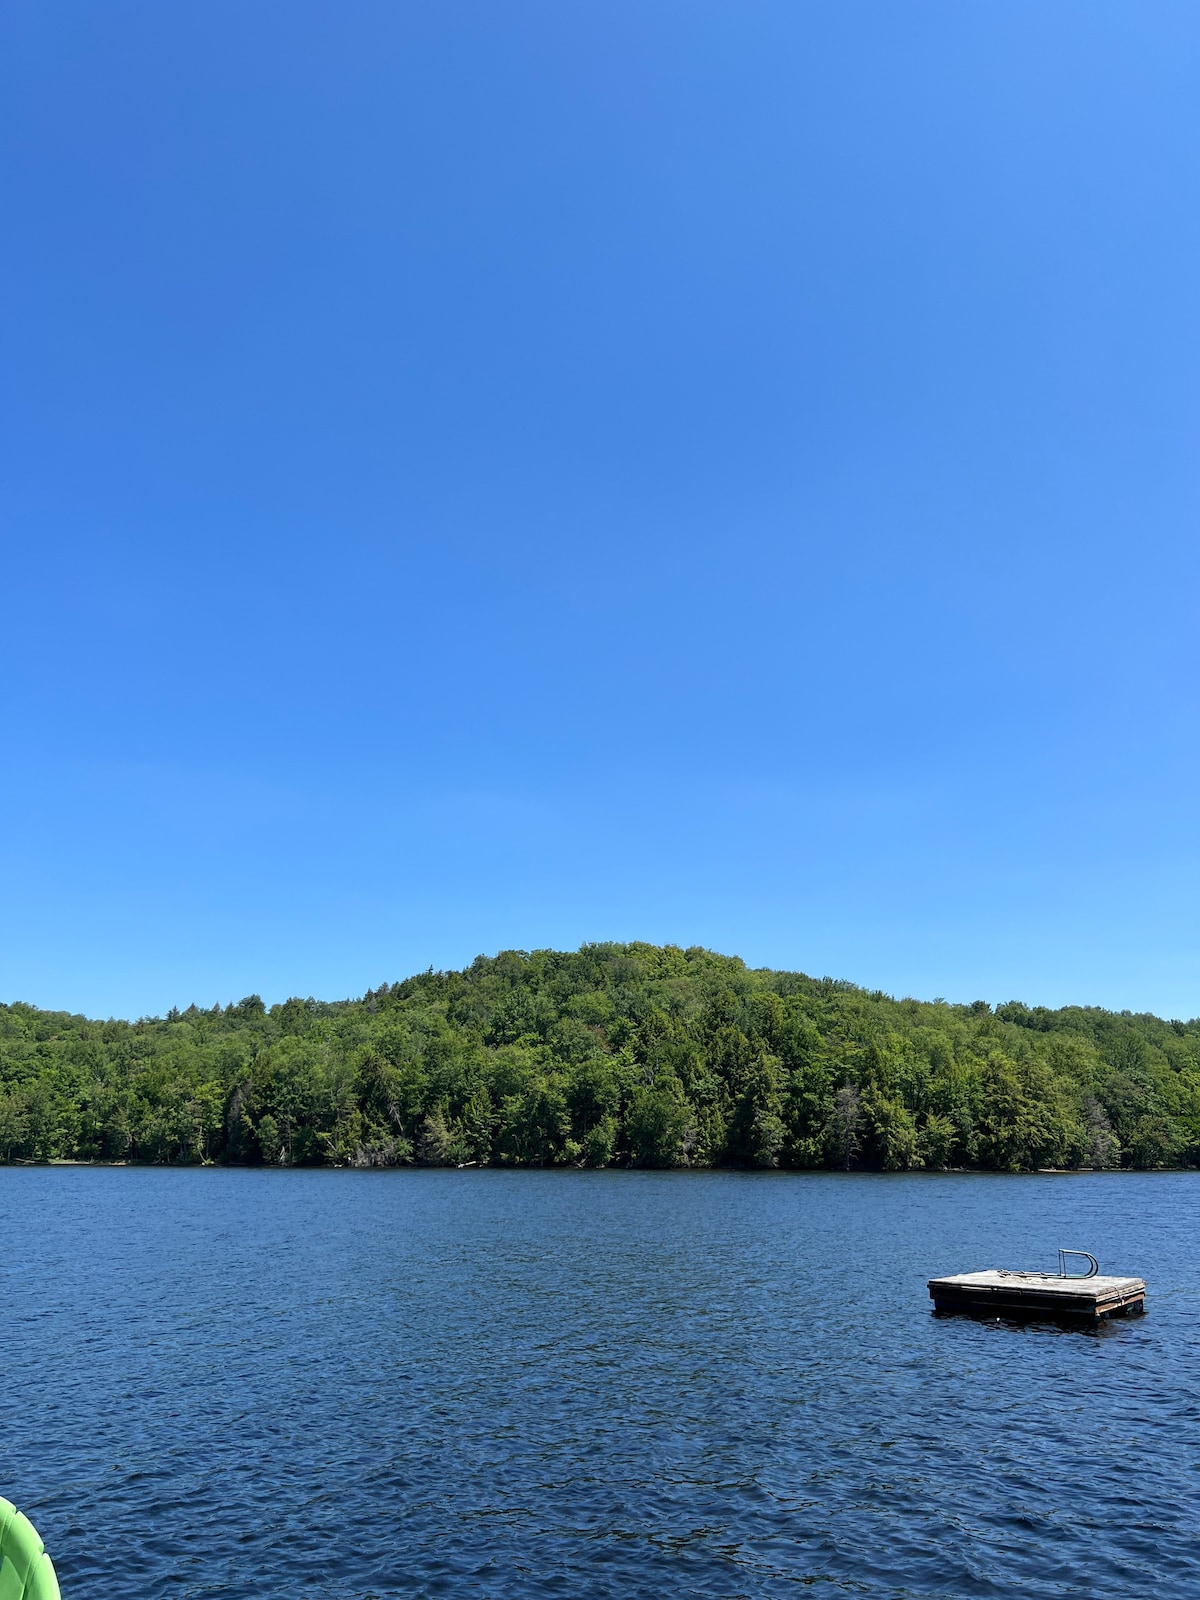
[(627, 1055)]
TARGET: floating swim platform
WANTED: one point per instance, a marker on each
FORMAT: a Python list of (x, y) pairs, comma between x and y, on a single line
[(26, 1571), (1051, 1295)]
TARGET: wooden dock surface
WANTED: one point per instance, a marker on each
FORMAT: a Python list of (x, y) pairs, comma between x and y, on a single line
[(1038, 1294)]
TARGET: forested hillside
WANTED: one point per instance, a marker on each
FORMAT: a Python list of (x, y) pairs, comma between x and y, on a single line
[(625, 1055)]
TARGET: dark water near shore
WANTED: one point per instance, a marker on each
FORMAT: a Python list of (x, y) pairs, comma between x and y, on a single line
[(238, 1384)]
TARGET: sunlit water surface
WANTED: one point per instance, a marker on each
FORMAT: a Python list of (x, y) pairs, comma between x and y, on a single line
[(236, 1384)]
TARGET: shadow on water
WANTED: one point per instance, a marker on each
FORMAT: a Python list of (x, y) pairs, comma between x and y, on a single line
[(1032, 1322)]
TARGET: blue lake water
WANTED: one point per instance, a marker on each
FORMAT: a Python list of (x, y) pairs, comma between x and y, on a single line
[(237, 1383)]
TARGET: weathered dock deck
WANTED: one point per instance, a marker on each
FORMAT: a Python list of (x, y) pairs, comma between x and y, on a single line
[(1038, 1294)]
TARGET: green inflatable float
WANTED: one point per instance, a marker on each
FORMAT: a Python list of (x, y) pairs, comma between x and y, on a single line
[(26, 1571)]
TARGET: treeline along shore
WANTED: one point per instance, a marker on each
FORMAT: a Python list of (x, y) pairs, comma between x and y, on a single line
[(613, 1055)]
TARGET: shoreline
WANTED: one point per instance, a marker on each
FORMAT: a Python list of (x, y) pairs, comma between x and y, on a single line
[(474, 1166)]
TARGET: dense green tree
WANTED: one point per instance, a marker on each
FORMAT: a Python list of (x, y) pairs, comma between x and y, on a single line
[(613, 1054)]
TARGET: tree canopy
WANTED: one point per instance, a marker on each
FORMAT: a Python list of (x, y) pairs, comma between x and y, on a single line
[(615, 1054)]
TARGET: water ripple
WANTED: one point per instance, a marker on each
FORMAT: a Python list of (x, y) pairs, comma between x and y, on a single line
[(600, 1384)]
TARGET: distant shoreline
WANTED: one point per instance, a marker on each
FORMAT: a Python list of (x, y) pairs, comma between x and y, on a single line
[(614, 1055), (680, 1171)]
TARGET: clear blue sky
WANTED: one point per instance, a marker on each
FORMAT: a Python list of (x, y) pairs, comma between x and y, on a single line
[(484, 475)]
